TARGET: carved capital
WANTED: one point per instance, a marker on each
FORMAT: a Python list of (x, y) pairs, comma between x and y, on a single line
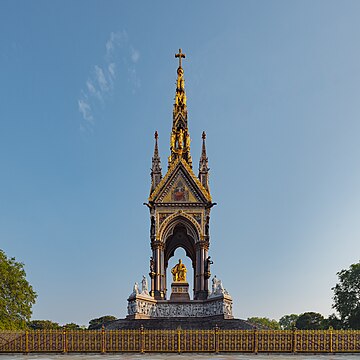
[(202, 244), (157, 244)]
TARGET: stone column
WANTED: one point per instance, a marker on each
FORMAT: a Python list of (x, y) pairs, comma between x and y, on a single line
[(206, 280), (197, 272), (162, 273), (201, 288), (158, 255)]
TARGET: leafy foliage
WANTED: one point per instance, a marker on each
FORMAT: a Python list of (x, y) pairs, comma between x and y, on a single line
[(96, 323), (287, 322), (333, 322), (72, 326), (16, 294), (347, 296), (43, 324), (310, 321), (264, 323)]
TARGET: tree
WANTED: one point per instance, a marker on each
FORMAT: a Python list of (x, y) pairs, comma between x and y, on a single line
[(16, 295), (97, 323), (334, 322), (72, 326), (43, 324), (310, 321), (287, 322), (264, 323), (347, 296)]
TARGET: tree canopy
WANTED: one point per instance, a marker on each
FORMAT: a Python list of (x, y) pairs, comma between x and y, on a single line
[(333, 322), (16, 295), (72, 326), (287, 322), (347, 296), (310, 321), (43, 324), (96, 323), (264, 323)]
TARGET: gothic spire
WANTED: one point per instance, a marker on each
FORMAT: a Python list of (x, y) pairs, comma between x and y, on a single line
[(156, 166), (203, 165), (180, 137)]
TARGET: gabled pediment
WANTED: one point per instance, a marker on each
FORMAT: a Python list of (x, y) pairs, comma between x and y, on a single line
[(180, 185), (179, 190)]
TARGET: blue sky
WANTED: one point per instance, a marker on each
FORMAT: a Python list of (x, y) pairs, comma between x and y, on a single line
[(276, 86)]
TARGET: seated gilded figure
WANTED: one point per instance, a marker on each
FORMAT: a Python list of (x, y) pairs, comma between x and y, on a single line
[(179, 272)]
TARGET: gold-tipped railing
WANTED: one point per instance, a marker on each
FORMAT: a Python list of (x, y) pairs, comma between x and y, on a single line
[(179, 341)]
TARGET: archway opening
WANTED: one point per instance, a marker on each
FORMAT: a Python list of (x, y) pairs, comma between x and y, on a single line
[(180, 253), (180, 238)]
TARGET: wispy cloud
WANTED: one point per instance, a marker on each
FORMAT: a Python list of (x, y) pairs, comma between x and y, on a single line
[(85, 111), (112, 69), (102, 79), (135, 55)]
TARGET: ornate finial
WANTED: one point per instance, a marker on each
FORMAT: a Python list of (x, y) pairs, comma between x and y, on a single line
[(156, 135), (180, 55), (204, 135)]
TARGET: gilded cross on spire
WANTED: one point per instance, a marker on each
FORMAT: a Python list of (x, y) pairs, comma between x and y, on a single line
[(180, 55)]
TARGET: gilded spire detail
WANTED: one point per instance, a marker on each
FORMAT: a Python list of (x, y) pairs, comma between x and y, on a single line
[(156, 175), (203, 165), (180, 137)]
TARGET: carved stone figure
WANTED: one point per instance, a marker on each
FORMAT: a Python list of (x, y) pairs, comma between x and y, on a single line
[(214, 284), (207, 225), (144, 286), (152, 227), (220, 288), (208, 262), (152, 265), (217, 288), (179, 272), (135, 290)]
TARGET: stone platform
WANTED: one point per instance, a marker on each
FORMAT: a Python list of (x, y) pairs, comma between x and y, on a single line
[(141, 306), (180, 292), (182, 323)]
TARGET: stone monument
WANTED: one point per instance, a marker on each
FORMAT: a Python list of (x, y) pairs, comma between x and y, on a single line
[(180, 205)]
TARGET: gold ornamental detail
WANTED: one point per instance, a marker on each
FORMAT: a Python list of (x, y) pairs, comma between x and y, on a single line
[(179, 272), (170, 173), (213, 340), (177, 215)]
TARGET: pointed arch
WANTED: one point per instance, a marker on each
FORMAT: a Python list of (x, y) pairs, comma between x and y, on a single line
[(192, 227), (180, 230)]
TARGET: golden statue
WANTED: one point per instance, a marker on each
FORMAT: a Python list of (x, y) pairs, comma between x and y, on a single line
[(172, 141), (180, 83), (187, 141), (181, 139), (179, 272)]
